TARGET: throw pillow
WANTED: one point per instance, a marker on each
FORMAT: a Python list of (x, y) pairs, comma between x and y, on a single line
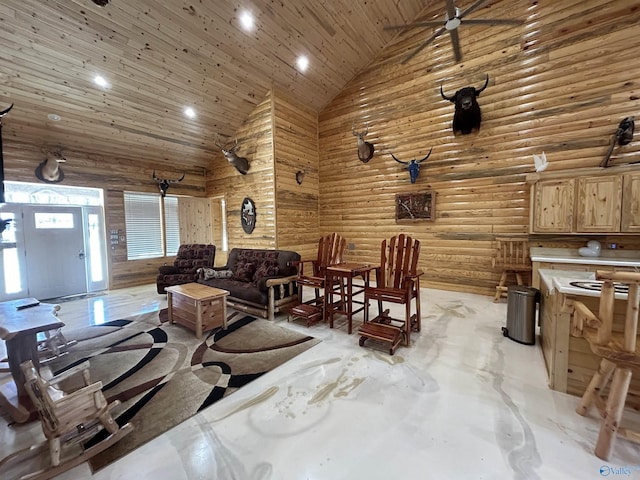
[(266, 269), (244, 271), (209, 273)]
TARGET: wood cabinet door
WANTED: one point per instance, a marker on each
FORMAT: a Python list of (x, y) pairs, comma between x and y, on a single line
[(598, 204), (553, 202), (631, 203)]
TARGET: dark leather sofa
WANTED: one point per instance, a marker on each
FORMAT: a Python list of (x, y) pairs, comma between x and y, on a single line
[(260, 282)]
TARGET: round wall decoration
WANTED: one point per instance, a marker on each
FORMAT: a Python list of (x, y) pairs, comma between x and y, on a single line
[(248, 215)]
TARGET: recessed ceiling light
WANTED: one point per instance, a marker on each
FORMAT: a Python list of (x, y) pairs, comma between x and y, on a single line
[(247, 20), (53, 117), (303, 63), (190, 112), (100, 81)]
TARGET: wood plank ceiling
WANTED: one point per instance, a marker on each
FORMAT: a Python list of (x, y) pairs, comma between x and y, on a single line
[(159, 57)]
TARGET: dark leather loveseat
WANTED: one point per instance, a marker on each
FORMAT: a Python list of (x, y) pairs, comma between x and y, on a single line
[(260, 282), (190, 257)]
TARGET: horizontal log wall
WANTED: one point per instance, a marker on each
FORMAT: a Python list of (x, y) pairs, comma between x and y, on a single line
[(559, 83), (255, 142), (115, 175), (296, 150)]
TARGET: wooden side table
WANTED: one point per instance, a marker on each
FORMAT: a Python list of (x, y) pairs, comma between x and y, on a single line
[(346, 272), (19, 328), (198, 307)]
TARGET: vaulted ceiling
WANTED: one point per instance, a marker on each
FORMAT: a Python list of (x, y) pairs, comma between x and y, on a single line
[(160, 57)]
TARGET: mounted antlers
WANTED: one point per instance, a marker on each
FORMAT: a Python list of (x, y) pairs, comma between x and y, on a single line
[(241, 163), (413, 166), (365, 149), (49, 170), (164, 183)]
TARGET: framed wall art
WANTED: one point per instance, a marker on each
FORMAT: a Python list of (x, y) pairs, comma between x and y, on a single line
[(414, 207), (248, 215)]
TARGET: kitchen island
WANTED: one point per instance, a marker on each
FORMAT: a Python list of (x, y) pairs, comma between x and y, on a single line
[(568, 358)]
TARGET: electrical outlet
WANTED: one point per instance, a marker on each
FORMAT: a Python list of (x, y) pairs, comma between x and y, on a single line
[(351, 246)]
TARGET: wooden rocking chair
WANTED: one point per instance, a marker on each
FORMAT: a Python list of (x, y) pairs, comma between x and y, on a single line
[(330, 251), (615, 343), (397, 281), (68, 420)]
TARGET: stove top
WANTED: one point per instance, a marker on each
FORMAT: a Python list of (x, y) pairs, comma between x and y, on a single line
[(597, 286)]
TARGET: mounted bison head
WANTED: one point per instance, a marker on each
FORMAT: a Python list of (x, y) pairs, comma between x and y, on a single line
[(413, 166), (467, 115)]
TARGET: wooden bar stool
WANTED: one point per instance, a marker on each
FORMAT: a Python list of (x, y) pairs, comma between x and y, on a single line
[(512, 257), (615, 343), (330, 251)]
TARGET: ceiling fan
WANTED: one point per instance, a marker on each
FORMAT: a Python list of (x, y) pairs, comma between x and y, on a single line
[(452, 20)]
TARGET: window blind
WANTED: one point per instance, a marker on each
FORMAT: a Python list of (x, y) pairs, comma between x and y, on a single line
[(143, 224)]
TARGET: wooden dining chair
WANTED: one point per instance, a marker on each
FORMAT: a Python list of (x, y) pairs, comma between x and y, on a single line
[(397, 281), (615, 342), (330, 252), (511, 257)]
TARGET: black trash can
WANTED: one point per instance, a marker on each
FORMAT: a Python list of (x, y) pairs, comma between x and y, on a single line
[(521, 314)]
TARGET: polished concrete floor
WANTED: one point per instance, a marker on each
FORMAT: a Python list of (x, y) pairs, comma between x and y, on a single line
[(462, 402)]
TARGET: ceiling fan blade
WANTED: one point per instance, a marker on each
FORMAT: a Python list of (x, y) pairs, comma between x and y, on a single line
[(413, 25), (451, 9), (455, 41), (472, 8), (494, 21), (424, 44)]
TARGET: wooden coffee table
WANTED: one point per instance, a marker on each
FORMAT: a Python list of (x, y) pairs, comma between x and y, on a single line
[(198, 307)]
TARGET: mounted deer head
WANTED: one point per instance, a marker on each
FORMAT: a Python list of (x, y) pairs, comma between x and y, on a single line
[(49, 170), (241, 163), (365, 149), (164, 183), (413, 166)]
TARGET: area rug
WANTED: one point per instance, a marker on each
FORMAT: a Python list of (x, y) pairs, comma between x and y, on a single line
[(163, 375)]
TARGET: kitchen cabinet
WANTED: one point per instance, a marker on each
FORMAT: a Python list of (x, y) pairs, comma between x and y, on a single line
[(552, 206), (631, 203), (586, 201), (599, 200)]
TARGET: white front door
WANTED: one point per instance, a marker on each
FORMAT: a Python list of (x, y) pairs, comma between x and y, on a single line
[(54, 242)]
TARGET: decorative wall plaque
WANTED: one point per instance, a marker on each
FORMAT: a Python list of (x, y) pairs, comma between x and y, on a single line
[(248, 215), (411, 207)]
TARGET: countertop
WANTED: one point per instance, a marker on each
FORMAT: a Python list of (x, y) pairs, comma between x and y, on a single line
[(616, 258), (560, 280)]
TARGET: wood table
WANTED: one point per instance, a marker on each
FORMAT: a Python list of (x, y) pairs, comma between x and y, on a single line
[(19, 329), (345, 273), (197, 306)]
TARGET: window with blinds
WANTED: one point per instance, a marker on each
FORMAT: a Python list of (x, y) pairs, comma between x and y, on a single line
[(146, 228), (171, 226)]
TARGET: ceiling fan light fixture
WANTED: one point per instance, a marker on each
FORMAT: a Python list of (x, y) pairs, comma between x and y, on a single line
[(452, 24)]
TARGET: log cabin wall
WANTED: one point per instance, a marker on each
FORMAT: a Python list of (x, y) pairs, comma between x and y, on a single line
[(282, 138), (255, 142), (296, 150), (115, 175), (560, 83)]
